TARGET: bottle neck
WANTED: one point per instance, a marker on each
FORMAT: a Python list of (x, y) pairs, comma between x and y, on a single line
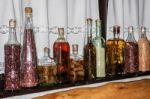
[(12, 36), (130, 37), (89, 32), (98, 29), (28, 21), (61, 38), (143, 34)]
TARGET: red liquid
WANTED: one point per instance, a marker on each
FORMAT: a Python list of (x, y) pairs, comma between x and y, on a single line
[(61, 51), (12, 67), (29, 65)]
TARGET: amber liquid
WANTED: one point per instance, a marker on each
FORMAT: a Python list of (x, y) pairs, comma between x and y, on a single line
[(115, 57), (61, 51)]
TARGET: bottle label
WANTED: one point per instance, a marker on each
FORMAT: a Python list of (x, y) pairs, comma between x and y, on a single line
[(100, 62)]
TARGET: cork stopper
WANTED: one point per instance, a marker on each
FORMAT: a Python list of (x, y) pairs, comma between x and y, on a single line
[(12, 23), (28, 10), (46, 50), (75, 48), (61, 31), (116, 29), (130, 29)]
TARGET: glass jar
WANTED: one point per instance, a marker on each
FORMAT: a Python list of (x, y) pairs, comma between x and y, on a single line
[(61, 52), (29, 76), (99, 43), (76, 72), (131, 53), (144, 51), (12, 51), (47, 69), (115, 53), (89, 55)]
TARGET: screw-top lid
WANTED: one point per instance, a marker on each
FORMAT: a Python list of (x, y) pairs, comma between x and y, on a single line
[(12, 23), (116, 29), (75, 48), (61, 31), (28, 10), (130, 29)]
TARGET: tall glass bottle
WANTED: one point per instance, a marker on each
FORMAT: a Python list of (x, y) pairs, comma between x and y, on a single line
[(29, 76), (131, 53), (12, 51), (89, 55), (99, 43), (47, 69), (115, 53), (76, 71), (61, 52), (144, 51)]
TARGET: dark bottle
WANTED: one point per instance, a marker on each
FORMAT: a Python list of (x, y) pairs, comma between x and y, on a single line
[(29, 56), (99, 43), (76, 72), (12, 51), (115, 53), (131, 53), (144, 51), (89, 55), (61, 52)]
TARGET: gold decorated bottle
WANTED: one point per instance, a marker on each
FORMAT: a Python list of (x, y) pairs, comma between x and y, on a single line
[(115, 53)]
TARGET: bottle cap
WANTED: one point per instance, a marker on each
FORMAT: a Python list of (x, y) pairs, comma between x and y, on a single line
[(130, 29), (28, 10), (12, 23), (116, 29), (61, 31)]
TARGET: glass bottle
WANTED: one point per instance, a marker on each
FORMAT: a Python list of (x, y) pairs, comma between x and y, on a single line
[(144, 51), (61, 52), (99, 43), (29, 76), (47, 69), (76, 71), (89, 55), (131, 53), (115, 53), (12, 51)]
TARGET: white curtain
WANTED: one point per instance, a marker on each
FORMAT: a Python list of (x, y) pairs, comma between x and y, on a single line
[(48, 15), (128, 12)]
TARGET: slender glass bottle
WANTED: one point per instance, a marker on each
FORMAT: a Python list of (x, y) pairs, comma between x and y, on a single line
[(131, 53), (99, 43), (47, 69), (29, 76), (89, 55), (144, 51), (76, 71), (115, 54), (61, 52), (12, 51)]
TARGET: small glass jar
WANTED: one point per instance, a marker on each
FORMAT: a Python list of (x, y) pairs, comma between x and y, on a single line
[(47, 69), (76, 72)]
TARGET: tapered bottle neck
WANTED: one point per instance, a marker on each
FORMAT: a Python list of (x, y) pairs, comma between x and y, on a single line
[(98, 28), (131, 37), (28, 21), (143, 32), (89, 30)]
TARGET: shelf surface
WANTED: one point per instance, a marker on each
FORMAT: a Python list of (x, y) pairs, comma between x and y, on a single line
[(41, 90)]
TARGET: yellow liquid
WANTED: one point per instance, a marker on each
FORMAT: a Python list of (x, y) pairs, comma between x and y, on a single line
[(115, 56)]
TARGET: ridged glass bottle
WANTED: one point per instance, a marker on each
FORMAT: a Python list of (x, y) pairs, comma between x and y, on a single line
[(131, 53), (115, 53), (12, 51), (61, 52), (144, 51), (99, 43), (89, 55), (29, 76)]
